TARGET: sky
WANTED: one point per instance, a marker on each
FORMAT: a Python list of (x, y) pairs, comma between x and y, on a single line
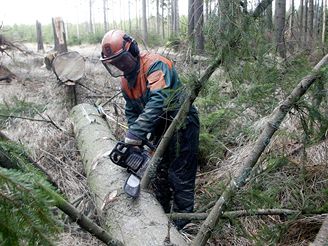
[(72, 11)]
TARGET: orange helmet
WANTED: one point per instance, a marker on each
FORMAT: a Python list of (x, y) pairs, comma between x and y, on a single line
[(119, 50)]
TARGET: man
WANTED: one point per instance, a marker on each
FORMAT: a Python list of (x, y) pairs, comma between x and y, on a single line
[(153, 94)]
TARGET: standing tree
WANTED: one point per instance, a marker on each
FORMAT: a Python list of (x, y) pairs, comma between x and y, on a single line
[(199, 20), (90, 17), (105, 8), (39, 36), (191, 17), (158, 20), (324, 5), (311, 18), (144, 22), (280, 16), (162, 19)]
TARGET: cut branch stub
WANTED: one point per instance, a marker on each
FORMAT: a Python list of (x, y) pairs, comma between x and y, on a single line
[(69, 67)]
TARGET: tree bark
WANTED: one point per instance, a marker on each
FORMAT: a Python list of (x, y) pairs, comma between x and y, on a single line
[(134, 222), (263, 140)]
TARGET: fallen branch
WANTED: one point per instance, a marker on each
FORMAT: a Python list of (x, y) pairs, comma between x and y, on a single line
[(82, 220), (263, 140), (234, 214), (49, 121)]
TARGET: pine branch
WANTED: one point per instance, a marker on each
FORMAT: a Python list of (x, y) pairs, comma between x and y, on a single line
[(82, 220), (263, 140)]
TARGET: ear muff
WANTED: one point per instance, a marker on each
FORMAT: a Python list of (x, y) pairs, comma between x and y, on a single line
[(134, 49)]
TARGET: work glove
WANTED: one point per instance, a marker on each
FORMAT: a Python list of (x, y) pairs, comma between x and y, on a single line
[(132, 139)]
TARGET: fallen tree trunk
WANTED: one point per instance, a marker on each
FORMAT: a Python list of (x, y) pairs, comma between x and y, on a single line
[(322, 237), (134, 222)]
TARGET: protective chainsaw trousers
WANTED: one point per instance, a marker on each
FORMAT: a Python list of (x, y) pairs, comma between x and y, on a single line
[(174, 184)]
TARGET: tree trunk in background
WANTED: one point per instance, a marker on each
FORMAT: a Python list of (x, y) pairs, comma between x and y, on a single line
[(137, 17), (133, 221), (301, 21), (306, 11), (39, 38), (144, 22), (292, 20), (280, 16), (268, 14), (158, 20), (199, 20), (324, 22), (172, 24), (311, 18), (163, 21), (90, 17), (191, 17), (59, 35), (129, 12), (105, 8), (177, 17), (206, 10)]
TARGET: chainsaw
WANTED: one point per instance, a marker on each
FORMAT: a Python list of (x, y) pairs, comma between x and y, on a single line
[(135, 159)]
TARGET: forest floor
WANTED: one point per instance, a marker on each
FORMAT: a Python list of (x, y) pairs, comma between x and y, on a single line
[(38, 95)]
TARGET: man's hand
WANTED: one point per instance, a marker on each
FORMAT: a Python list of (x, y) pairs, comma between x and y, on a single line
[(132, 139)]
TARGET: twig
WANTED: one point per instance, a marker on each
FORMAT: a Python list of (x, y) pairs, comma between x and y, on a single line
[(234, 214), (24, 118)]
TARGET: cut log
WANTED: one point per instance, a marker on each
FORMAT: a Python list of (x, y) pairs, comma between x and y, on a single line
[(134, 222), (69, 67)]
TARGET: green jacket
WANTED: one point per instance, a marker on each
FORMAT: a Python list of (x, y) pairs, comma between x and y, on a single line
[(156, 97)]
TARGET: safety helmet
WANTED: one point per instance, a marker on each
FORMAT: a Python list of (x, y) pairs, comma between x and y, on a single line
[(119, 53)]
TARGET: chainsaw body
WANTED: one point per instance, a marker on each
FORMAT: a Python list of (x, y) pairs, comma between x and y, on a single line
[(135, 159)]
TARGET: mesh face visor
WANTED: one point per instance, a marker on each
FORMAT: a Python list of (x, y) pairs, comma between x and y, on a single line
[(120, 65)]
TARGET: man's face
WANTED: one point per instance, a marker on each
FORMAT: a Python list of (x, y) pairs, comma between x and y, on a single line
[(121, 65)]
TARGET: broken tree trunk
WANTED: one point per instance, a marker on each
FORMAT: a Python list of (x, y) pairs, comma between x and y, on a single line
[(59, 35), (263, 140), (139, 221)]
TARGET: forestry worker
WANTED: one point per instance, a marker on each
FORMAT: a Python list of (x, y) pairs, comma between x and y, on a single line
[(153, 94)]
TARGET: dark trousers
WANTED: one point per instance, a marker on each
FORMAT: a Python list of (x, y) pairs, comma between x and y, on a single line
[(174, 184)]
